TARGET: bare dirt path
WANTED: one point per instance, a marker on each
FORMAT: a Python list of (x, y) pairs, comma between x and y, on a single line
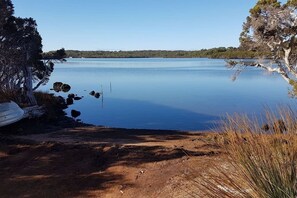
[(105, 162)]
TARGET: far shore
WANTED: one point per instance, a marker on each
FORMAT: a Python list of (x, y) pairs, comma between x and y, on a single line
[(216, 53)]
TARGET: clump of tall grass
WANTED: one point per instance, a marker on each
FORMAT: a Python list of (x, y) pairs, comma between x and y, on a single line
[(261, 162)]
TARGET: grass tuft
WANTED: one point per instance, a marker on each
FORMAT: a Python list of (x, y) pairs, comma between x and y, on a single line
[(259, 163)]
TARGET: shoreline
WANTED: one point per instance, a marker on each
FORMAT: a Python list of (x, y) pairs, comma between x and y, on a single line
[(219, 52), (93, 161), (25, 127)]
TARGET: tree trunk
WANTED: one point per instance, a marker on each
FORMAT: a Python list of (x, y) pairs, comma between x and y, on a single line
[(28, 83), (286, 57), (28, 86)]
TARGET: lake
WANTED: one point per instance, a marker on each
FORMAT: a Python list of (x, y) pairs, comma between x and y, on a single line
[(158, 93)]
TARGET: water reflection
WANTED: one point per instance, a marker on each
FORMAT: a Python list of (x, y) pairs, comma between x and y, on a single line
[(186, 94), (139, 114)]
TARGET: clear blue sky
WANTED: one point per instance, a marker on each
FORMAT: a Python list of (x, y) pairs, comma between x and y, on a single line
[(136, 24)]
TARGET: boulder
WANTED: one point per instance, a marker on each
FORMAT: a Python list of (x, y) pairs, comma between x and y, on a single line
[(77, 98), (65, 87), (71, 95), (92, 93), (57, 86), (97, 95), (69, 101), (75, 113)]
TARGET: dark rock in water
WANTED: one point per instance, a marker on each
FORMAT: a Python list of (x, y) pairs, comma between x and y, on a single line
[(97, 95), (65, 87), (77, 98), (92, 93), (265, 127), (75, 113), (279, 126), (71, 95), (69, 101), (57, 86)]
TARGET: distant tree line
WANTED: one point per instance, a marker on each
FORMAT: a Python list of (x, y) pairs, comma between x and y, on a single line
[(220, 52)]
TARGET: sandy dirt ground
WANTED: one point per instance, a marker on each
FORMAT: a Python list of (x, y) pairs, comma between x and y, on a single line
[(105, 162)]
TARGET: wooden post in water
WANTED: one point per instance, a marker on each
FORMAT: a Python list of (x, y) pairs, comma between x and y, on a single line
[(102, 100)]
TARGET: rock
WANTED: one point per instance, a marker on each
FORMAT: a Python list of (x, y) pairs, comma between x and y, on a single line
[(57, 86), (97, 95), (75, 113), (77, 98), (61, 100), (71, 95), (69, 101), (65, 87), (92, 93)]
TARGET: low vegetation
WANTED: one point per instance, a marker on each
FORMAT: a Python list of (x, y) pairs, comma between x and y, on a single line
[(6, 96), (220, 52), (259, 164), (53, 105)]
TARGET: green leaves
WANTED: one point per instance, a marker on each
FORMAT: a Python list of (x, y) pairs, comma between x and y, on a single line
[(6, 10), (292, 3), (261, 4)]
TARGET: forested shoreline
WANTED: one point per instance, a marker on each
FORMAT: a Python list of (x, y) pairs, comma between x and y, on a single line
[(221, 52)]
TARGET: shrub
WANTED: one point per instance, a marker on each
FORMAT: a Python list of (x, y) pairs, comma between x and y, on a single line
[(259, 164), (53, 105)]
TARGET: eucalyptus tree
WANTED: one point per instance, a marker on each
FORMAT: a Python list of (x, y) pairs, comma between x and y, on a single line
[(21, 61), (272, 26)]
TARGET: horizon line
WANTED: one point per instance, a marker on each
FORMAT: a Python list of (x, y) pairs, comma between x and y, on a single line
[(121, 50)]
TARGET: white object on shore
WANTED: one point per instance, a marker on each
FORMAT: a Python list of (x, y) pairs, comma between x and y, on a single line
[(10, 113)]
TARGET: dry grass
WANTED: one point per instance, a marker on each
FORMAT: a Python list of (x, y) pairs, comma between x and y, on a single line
[(9, 96), (259, 164), (54, 105)]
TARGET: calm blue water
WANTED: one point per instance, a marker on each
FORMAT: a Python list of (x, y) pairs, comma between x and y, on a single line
[(183, 94)]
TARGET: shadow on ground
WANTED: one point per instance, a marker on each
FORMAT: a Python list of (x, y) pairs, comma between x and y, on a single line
[(55, 169), (40, 125), (121, 136)]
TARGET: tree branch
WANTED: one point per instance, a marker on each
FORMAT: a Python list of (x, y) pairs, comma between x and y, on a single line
[(278, 70)]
